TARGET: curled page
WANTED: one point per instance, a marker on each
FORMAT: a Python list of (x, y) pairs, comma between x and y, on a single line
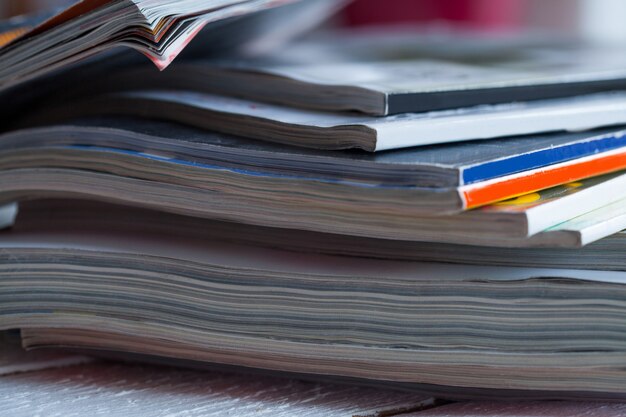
[(160, 29)]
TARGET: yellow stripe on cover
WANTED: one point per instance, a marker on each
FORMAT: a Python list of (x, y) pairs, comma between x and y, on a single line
[(7, 37)]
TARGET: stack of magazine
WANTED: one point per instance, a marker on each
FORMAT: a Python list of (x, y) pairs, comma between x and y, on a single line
[(448, 219)]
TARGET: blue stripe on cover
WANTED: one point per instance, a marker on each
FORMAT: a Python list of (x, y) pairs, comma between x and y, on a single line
[(543, 157)]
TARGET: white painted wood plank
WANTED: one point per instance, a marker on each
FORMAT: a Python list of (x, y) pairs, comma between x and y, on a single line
[(115, 389)]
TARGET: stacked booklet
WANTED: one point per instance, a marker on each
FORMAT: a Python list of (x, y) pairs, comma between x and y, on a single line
[(449, 224)]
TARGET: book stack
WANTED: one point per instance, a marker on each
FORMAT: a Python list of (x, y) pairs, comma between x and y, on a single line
[(450, 221)]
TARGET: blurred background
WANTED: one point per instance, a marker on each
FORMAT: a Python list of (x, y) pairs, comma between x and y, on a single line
[(592, 20)]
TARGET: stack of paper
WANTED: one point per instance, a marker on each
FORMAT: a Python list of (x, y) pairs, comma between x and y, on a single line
[(454, 239)]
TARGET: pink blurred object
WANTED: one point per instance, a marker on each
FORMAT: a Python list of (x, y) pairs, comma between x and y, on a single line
[(483, 14)]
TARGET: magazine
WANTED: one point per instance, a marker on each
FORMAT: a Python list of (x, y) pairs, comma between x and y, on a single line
[(343, 131), (455, 329), (159, 30), (182, 170)]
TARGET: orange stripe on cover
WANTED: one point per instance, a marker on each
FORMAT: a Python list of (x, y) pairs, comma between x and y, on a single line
[(508, 187)]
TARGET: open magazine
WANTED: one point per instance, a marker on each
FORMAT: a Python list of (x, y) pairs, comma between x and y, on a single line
[(35, 46)]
